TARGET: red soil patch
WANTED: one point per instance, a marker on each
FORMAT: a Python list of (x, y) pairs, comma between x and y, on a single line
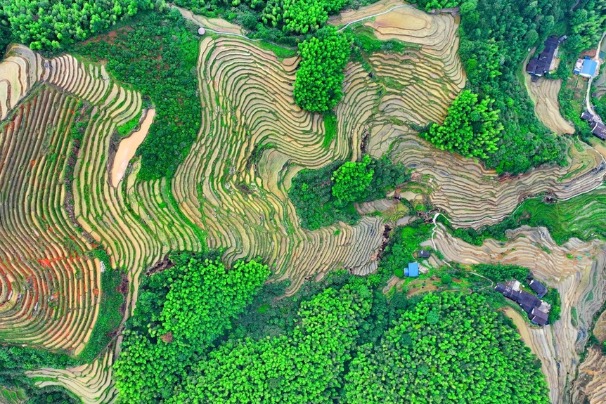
[(46, 263)]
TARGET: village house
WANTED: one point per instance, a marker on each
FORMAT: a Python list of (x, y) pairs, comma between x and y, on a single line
[(545, 62), (412, 271), (597, 126), (586, 67), (538, 287), (423, 254), (536, 309)]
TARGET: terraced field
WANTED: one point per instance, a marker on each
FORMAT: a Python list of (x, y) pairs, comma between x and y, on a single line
[(576, 269), (415, 88), (241, 200), (590, 385), (544, 95), (59, 201), (92, 383), (50, 287)]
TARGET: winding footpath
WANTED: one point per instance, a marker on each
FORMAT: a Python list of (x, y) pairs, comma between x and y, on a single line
[(588, 94)]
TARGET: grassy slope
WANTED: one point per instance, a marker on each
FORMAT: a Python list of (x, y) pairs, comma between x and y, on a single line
[(583, 217)]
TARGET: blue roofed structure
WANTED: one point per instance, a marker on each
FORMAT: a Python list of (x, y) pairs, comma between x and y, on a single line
[(412, 270), (589, 69)]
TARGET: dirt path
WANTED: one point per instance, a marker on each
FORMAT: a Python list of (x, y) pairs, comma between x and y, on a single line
[(368, 17), (128, 147), (588, 94), (216, 25)]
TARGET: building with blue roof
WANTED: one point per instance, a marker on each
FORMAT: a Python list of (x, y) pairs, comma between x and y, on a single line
[(413, 270), (589, 69)]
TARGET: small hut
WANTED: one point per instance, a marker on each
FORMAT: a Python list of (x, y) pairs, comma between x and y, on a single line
[(412, 271)]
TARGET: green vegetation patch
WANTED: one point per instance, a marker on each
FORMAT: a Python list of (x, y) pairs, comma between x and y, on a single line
[(421, 356), (179, 313), (312, 191), (319, 82), (472, 127), (110, 315), (583, 217), (199, 335), (330, 127), (157, 55), (54, 24), (281, 52), (126, 128), (502, 273), (403, 244)]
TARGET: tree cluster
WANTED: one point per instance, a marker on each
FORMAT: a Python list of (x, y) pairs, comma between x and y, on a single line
[(327, 195), (303, 16), (352, 180), (495, 38), (472, 127), (54, 24), (318, 85), (450, 348), (588, 23), (180, 312), (341, 340), (157, 57), (305, 366)]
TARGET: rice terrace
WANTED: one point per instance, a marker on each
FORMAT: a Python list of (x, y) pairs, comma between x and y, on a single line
[(302, 201)]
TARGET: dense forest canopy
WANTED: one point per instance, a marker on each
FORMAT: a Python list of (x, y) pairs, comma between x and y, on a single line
[(54, 24), (472, 127), (332, 343), (179, 314), (450, 347)]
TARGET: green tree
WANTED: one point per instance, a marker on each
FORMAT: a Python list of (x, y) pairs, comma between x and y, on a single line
[(352, 180), (450, 348), (180, 312), (305, 366), (472, 127), (319, 81), (54, 24)]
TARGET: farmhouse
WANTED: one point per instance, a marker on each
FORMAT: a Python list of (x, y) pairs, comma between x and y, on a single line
[(595, 123), (538, 287), (423, 254), (537, 310), (412, 270), (599, 130), (588, 68), (544, 63)]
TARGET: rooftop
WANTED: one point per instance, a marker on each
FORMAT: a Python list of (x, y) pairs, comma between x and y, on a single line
[(541, 65), (412, 270), (424, 254), (589, 69), (599, 130), (538, 288)]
